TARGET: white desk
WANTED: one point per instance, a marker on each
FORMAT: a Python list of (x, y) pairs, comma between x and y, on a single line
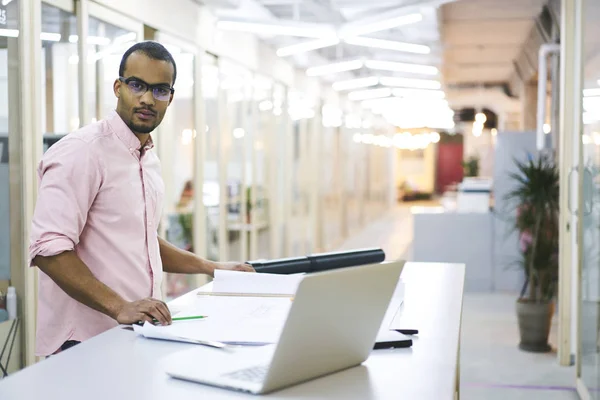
[(119, 365)]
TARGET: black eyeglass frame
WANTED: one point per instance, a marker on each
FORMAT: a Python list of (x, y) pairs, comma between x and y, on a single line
[(148, 86)]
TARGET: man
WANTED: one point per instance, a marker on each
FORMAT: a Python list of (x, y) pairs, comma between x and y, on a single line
[(94, 231)]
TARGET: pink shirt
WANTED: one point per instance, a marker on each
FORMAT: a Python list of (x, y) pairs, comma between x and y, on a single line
[(102, 197)]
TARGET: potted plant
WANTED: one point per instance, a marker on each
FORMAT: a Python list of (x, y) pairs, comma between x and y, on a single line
[(471, 166), (536, 200)]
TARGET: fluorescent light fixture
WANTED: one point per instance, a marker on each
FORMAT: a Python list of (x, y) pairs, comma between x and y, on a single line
[(356, 29), (281, 28), (9, 32), (420, 93), (307, 46), (6, 2), (97, 40), (334, 68), (401, 67), (591, 92), (370, 94), (50, 37), (128, 37), (239, 133), (547, 128), (388, 45), (410, 83), (358, 83)]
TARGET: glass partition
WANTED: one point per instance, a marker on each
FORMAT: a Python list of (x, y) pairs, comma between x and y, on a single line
[(60, 99), (178, 138), (106, 44), (9, 82), (262, 122), (211, 192), (590, 274), (236, 85)]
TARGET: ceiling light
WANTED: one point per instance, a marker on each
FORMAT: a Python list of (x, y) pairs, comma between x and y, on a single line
[(421, 93), (370, 94), (283, 28), (98, 40), (356, 29), (50, 37), (307, 46), (401, 67), (410, 83), (239, 133), (591, 92), (9, 32), (547, 128), (352, 84), (388, 45), (480, 118), (128, 37), (334, 68)]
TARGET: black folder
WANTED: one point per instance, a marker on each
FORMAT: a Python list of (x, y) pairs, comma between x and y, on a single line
[(319, 262)]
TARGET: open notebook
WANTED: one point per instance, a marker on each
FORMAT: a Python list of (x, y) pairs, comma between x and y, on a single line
[(235, 283)]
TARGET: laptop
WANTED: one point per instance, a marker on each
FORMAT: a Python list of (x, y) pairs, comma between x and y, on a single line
[(332, 325)]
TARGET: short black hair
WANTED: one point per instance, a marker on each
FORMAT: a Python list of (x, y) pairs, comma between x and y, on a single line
[(150, 49)]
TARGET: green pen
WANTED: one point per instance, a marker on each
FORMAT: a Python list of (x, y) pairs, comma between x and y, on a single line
[(192, 317), (188, 318)]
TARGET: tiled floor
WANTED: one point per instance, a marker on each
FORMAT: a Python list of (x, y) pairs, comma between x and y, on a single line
[(492, 366)]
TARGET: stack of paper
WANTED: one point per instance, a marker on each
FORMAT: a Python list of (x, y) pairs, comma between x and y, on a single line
[(231, 320), (235, 283), (241, 308)]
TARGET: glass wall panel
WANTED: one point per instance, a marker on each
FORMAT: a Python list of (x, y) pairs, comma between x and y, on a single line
[(8, 82), (60, 104), (106, 44), (590, 279), (179, 138), (263, 119), (236, 85), (211, 193)]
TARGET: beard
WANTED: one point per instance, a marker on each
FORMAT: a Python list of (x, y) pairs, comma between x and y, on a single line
[(141, 128)]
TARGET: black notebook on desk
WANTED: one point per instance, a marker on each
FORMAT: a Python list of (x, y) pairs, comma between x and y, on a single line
[(392, 340)]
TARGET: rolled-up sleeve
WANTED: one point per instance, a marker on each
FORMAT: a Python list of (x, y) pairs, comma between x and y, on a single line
[(70, 176)]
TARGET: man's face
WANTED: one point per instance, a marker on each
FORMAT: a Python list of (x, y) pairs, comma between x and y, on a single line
[(144, 79)]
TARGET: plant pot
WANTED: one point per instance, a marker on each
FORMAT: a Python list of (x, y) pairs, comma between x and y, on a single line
[(534, 325)]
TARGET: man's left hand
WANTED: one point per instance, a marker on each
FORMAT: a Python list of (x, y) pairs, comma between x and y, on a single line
[(232, 266)]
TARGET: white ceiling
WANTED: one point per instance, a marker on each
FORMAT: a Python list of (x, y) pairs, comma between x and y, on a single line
[(473, 42), (483, 38)]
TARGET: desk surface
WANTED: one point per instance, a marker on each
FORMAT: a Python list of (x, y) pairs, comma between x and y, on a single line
[(119, 364)]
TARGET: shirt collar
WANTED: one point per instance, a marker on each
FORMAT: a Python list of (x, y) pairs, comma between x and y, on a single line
[(125, 134)]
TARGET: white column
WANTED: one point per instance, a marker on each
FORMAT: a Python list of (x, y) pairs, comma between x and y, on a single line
[(81, 11), (25, 150), (570, 141), (199, 223)]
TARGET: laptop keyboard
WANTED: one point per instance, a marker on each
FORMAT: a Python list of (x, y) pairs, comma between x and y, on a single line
[(253, 374)]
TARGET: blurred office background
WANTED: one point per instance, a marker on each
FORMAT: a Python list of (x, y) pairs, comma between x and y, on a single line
[(310, 126)]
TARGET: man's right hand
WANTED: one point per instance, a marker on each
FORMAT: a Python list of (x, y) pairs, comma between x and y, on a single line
[(144, 310)]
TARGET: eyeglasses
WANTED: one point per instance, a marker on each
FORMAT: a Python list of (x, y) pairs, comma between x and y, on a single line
[(138, 87)]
